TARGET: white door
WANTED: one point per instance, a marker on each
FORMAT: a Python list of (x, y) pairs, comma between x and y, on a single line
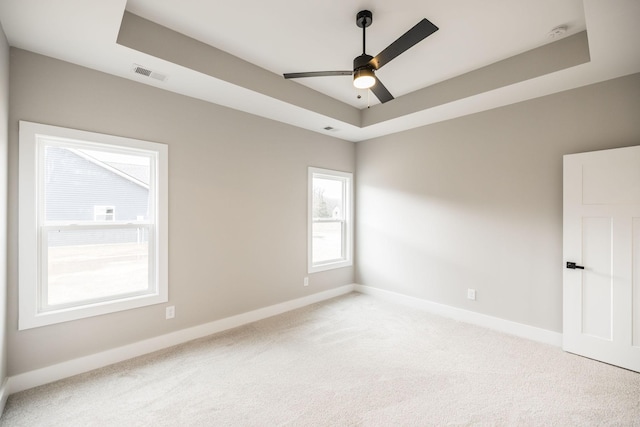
[(602, 234)]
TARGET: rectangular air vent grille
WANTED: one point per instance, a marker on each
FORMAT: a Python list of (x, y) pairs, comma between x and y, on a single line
[(144, 71)]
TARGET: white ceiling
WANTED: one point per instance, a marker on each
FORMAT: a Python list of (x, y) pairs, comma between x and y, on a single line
[(290, 36)]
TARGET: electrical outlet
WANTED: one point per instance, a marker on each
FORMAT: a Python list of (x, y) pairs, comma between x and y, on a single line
[(306, 281), (471, 294), (170, 312)]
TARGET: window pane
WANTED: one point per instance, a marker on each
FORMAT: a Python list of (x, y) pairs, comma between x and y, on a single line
[(93, 264), (327, 242), (93, 224), (330, 214), (328, 198), (93, 185)]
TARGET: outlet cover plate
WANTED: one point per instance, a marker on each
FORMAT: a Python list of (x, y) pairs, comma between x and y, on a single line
[(170, 312)]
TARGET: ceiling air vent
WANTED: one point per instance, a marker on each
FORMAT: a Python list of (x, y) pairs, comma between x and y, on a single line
[(139, 69)]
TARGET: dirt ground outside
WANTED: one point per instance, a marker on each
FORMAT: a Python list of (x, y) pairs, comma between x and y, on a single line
[(82, 272), (327, 241)]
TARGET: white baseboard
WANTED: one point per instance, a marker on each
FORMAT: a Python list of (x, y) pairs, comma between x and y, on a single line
[(80, 365), (489, 322), (4, 394)]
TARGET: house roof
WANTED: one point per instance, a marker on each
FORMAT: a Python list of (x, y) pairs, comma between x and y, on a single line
[(485, 55), (137, 172)]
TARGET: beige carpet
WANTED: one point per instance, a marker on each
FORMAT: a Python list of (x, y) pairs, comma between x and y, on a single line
[(354, 360)]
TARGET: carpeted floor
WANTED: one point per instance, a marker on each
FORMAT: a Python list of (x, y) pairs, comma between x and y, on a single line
[(354, 360)]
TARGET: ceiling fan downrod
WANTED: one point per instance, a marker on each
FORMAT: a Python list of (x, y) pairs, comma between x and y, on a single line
[(364, 18), (363, 74)]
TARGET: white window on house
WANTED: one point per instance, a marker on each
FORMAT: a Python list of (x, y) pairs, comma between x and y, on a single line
[(104, 213), (330, 219), (76, 258)]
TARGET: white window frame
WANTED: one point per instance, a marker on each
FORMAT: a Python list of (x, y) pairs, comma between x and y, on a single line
[(347, 223), (32, 228)]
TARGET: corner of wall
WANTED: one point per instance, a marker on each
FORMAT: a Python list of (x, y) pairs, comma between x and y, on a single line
[(4, 124)]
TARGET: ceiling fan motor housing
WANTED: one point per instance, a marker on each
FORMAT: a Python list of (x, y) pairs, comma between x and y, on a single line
[(362, 61)]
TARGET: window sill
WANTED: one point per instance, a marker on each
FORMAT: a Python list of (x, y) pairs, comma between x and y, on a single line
[(329, 266)]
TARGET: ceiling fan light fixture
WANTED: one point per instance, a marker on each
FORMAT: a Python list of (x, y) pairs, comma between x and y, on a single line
[(364, 78), (365, 66)]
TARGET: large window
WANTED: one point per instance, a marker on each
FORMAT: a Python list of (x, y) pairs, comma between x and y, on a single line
[(330, 219), (93, 224)]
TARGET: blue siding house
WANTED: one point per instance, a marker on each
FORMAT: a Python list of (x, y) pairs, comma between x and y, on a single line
[(91, 187)]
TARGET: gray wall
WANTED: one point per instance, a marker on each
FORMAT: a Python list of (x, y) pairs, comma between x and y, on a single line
[(4, 119), (237, 195), (476, 202)]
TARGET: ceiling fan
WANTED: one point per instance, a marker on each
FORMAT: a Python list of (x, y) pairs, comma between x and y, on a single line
[(364, 66)]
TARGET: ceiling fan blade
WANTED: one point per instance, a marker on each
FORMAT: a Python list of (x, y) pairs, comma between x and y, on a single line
[(317, 74), (415, 35), (381, 92)]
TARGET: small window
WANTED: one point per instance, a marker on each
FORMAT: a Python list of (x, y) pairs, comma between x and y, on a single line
[(330, 219), (76, 257), (104, 213)]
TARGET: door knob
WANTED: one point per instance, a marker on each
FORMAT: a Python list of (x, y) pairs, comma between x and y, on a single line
[(573, 266)]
